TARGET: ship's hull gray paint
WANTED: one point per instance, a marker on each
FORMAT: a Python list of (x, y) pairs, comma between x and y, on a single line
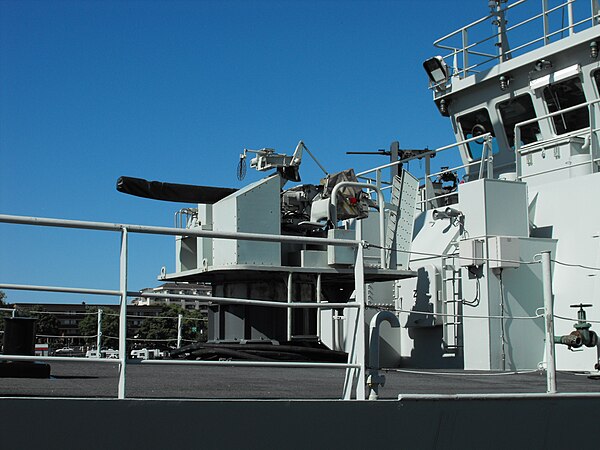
[(537, 423)]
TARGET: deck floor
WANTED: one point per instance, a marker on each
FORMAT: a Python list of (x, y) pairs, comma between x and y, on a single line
[(202, 382)]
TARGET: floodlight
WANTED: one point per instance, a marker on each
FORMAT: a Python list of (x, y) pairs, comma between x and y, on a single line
[(436, 69)]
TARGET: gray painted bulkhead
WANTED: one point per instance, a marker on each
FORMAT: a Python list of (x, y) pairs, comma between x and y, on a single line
[(534, 423)]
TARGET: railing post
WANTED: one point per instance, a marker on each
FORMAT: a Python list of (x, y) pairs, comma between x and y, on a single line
[(545, 21), (548, 313), (592, 115), (359, 288), (99, 335), (290, 293), (123, 314), (595, 11), (570, 13), (465, 51), (518, 151), (179, 325), (319, 288)]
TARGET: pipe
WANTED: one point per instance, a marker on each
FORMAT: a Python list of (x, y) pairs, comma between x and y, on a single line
[(375, 379), (572, 340)]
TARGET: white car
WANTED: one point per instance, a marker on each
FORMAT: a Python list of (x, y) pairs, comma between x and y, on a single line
[(65, 350)]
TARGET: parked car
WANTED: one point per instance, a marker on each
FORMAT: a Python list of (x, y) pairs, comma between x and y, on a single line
[(146, 353), (65, 351)]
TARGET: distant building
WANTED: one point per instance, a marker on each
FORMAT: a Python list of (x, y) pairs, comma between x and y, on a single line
[(68, 315), (176, 289)]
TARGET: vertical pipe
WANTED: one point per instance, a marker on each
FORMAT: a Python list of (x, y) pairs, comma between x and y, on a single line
[(123, 314), (99, 335), (428, 185), (359, 287), (179, 325), (548, 313), (290, 292)]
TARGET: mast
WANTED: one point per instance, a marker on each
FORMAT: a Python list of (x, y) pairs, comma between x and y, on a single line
[(497, 14)]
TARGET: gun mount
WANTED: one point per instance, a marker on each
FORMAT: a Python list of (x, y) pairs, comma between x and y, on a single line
[(284, 271)]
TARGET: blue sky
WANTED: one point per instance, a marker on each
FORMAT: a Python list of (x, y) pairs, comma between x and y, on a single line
[(173, 91)]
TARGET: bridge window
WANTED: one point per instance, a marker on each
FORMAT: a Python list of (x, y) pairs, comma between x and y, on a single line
[(564, 95), (476, 124), (515, 110)]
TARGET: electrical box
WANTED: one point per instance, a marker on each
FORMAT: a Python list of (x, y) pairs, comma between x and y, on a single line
[(313, 258), (337, 254), (486, 205), (471, 252), (503, 252)]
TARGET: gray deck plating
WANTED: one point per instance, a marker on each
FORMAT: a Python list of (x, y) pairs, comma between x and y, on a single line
[(202, 382)]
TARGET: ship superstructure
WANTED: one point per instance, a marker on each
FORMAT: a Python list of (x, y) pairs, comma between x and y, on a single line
[(528, 94), (453, 253)]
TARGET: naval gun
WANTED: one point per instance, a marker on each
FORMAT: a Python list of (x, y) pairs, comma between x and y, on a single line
[(338, 207)]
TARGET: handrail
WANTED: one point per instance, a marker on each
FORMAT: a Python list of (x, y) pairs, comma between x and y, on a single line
[(356, 356), (589, 131), (423, 155), (380, 200), (485, 158), (147, 229), (467, 48)]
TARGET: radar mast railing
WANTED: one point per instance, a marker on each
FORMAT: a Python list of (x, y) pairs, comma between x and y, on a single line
[(460, 55)]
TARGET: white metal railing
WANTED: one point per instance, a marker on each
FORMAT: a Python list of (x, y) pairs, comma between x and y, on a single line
[(587, 132), (355, 367), (485, 164), (466, 57)]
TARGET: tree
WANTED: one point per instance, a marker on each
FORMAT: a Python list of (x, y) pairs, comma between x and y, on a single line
[(88, 326), (46, 324), (194, 326), (164, 327)]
